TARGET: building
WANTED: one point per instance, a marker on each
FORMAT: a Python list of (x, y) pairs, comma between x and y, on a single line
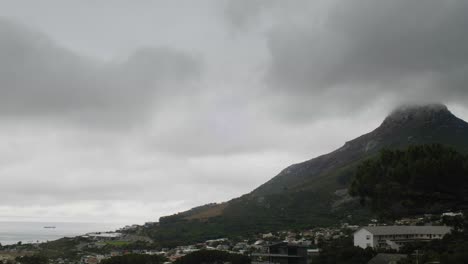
[(395, 236), (281, 253), (451, 214), (92, 259)]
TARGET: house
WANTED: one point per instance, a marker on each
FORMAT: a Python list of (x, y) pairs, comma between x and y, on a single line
[(382, 258), (92, 259), (451, 214), (395, 236), (223, 247), (314, 252), (281, 253)]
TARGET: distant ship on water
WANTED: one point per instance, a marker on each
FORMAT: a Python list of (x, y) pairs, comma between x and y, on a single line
[(49, 227)]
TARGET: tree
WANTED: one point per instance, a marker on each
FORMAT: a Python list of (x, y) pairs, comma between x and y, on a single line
[(420, 179), (342, 251), (34, 259), (135, 259), (212, 257)]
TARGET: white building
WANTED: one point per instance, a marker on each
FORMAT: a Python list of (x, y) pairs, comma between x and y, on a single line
[(395, 236), (451, 214)]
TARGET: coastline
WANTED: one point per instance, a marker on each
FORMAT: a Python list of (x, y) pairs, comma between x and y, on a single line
[(12, 232)]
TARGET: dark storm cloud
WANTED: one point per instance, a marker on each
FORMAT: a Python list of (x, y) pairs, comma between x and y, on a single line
[(364, 50), (39, 78)]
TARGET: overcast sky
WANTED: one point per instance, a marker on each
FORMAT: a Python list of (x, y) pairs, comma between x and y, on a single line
[(126, 111)]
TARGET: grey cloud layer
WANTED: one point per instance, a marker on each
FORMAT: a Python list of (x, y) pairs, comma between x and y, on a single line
[(363, 50), (206, 121), (40, 78), (242, 13)]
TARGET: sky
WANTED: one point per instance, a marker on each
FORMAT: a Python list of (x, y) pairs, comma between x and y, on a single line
[(125, 111)]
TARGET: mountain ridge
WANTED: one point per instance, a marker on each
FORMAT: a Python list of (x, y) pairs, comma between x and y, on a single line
[(313, 192), (394, 125)]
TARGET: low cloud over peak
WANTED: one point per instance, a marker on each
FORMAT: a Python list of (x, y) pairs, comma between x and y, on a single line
[(368, 50)]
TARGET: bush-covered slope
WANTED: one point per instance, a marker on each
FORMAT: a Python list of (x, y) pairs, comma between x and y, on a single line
[(314, 193)]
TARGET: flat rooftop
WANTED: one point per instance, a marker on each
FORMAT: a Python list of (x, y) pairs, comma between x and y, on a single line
[(407, 230)]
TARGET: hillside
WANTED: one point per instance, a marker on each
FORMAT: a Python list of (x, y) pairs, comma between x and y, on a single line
[(410, 125), (314, 192)]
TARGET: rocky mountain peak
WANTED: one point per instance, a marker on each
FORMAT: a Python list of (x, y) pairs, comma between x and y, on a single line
[(417, 113)]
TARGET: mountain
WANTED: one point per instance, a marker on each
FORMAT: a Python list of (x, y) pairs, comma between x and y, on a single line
[(314, 192), (407, 125)]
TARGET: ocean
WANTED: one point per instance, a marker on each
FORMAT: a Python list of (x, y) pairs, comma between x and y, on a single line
[(32, 232)]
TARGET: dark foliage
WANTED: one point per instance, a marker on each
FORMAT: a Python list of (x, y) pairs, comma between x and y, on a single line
[(34, 259), (135, 259), (342, 251), (62, 248), (212, 257), (420, 179)]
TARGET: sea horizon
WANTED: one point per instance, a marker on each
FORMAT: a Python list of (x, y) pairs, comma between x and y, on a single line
[(12, 232)]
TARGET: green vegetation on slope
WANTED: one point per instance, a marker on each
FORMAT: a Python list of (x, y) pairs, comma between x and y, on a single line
[(250, 215), (418, 180), (34, 259), (135, 259), (61, 248), (313, 193), (117, 243)]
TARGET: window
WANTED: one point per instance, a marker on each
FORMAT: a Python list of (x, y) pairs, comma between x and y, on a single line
[(368, 237)]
